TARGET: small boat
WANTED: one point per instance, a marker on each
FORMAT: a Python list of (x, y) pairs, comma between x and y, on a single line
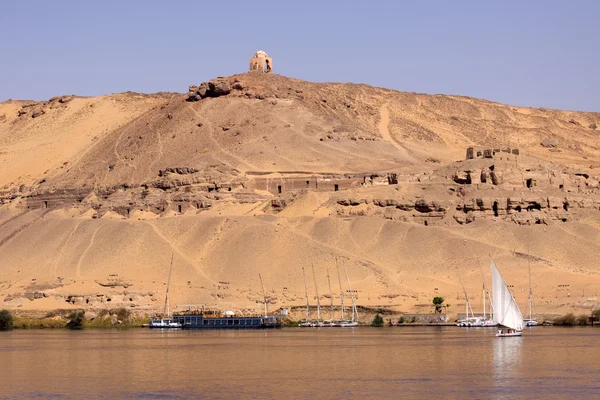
[(307, 323), (531, 321), (470, 320), (166, 323), (343, 322), (506, 311), (508, 333), (487, 323)]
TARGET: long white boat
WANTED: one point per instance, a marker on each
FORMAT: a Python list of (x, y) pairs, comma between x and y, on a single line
[(506, 311)]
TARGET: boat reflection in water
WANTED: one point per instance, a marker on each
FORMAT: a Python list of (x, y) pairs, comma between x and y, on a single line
[(507, 361)]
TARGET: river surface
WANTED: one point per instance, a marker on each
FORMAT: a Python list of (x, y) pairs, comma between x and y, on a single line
[(295, 363)]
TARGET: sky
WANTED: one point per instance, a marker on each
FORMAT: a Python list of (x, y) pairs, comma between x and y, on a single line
[(534, 53)]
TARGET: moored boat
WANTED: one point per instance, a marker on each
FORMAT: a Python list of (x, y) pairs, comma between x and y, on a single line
[(166, 322), (530, 321), (201, 320)]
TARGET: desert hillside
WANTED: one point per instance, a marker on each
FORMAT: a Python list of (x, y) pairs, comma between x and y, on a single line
[(260, 173)]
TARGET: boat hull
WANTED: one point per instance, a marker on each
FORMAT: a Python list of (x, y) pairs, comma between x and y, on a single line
[(509, 334), (328, 324), (201, 322), (164, 324)]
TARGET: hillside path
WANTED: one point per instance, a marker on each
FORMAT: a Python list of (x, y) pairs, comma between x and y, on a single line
[(384, 131)]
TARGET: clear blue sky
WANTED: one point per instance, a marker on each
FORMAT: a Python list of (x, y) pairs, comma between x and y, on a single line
[(539, 53)]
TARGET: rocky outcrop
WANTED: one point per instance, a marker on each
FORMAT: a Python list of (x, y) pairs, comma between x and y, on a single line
[(177, 170), (213, 88), (38, 112), (549, 143)]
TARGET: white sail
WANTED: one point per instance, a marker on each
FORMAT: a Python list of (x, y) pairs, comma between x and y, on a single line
[(506, 310)]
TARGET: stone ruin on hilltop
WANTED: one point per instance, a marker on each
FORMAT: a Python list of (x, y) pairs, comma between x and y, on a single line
[(261, 62)]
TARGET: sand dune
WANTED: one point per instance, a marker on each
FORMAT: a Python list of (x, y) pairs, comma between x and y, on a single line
[(98, 193)]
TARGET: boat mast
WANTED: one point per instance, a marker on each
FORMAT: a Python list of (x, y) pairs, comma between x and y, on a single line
[(483, 298), (341, 290), (330, 296), (351, 295), (264, 294), (317, 292), (306, 291), (167, 309), (487, 293), (468, 304), (530, 290)]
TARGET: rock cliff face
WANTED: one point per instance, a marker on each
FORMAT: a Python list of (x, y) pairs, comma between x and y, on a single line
[(262, 173)]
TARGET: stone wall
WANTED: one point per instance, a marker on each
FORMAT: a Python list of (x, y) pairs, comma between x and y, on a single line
[(331, 183), (504, 154)]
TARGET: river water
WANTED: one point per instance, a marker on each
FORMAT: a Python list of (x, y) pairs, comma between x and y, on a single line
[(294, 363)]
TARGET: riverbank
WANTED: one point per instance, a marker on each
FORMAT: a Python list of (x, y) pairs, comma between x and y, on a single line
[(123, 318)]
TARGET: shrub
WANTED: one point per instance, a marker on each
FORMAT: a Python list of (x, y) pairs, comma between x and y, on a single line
[(123, 314), (567, 320), (401, 320), (596, 314), (377, 321), (6, 320), (437, 302), (582, 319), (76, 319)]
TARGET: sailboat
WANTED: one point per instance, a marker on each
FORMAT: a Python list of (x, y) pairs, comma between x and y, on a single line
[(506, 311), (472, 320), (354, 321), (306, 323), (329, 322), (318, 322), (531, 321), (486, 294), (166, 322)]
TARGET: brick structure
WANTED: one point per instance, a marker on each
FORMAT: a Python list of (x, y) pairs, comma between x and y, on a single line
[(478, 152), (261, 62)]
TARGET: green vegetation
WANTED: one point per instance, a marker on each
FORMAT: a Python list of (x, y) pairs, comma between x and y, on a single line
[(123, 314), (438, 303), (38, 323), (401, 320), (76, 319), (290, 323), (596, 315), (582, 319), (571, 319), (377, 321), (6, 320)]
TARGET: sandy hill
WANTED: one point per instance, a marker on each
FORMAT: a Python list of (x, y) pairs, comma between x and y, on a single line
[(260, 173)]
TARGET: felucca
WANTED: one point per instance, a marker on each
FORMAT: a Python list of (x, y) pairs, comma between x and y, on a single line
[(486, 294), (531, 321), (506, 311), (306, 323), (354, 321), (166, 322), (472, 320)]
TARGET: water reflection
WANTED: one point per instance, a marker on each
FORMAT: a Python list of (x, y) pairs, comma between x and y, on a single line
[(507, 358), (294, 363)]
